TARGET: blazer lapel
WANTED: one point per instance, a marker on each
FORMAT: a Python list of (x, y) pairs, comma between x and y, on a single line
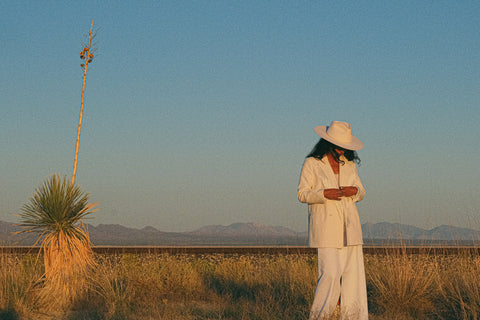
[(331, 176)]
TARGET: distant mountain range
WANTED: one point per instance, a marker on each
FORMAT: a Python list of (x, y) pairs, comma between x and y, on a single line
[(385, 232), (249, 234)]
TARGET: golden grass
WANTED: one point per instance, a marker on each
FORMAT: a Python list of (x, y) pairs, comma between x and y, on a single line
[(460, 287), (402, 286), (18, 280), (267, 287)]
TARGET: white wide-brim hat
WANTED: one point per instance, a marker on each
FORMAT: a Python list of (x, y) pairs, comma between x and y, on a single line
[(340, 133)]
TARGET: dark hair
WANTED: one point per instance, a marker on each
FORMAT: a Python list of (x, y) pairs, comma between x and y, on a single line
[(324, 147)]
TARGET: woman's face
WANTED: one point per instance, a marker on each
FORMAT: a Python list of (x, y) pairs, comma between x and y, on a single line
[(339, 151)]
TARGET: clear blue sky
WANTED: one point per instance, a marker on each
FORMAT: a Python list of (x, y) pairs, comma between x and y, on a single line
[(201, 112)]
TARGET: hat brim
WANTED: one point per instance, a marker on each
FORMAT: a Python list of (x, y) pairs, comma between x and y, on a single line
[(355, 144)]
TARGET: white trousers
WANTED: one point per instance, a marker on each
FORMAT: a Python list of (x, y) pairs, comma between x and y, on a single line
[(341, 274)]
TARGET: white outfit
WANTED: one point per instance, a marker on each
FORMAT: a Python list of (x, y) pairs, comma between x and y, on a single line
[(328, 220), (340, 274), (335, 229)]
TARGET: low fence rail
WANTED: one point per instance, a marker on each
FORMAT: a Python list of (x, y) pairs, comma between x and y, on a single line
[(281, 250)]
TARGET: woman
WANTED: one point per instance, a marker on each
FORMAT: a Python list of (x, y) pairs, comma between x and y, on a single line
[(329, 183)]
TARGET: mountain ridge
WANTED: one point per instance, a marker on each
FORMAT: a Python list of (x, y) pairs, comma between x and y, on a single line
[(249, 233)]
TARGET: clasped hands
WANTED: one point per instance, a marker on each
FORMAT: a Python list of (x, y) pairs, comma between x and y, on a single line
[(336, 194)]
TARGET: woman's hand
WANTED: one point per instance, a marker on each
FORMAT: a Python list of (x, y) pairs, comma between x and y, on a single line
[(336, 194), (332, 194), (349, 191)]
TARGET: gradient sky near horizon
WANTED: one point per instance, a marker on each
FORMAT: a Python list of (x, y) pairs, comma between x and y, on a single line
[(201, 112)]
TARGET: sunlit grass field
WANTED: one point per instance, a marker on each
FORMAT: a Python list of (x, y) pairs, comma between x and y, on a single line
[(230, 286)]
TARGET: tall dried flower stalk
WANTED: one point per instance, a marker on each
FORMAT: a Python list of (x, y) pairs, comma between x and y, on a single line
[(87, 55)]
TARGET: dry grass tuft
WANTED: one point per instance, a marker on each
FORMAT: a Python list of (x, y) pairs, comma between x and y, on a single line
[(402, 285), (19, 276), (114, 289), (460, 287)]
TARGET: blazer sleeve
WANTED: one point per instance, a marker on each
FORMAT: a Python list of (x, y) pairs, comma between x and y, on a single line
[(310, 188), (361, 190)]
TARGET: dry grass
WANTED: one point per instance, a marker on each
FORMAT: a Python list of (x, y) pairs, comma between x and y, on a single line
[(19, 277), (424, 286), (182, 287), (402, 286), (460, 287)]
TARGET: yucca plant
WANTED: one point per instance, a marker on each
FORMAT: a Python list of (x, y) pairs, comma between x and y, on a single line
[(56, 212)]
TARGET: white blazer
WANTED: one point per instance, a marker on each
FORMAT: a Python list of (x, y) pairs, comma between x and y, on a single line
[(331, 223)]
